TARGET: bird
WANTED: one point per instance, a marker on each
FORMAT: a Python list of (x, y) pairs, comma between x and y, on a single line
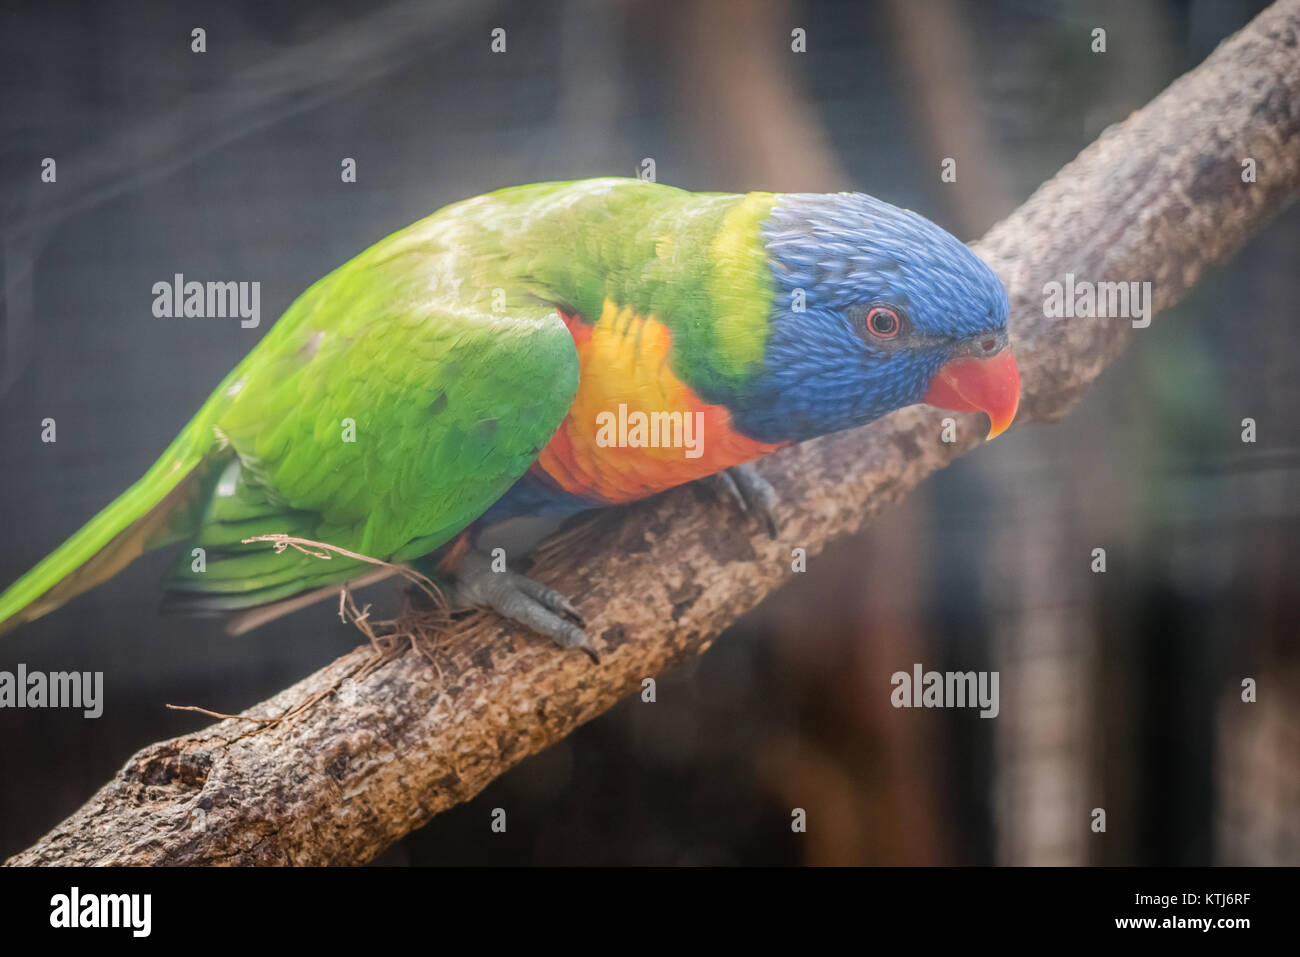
[(536, 352)]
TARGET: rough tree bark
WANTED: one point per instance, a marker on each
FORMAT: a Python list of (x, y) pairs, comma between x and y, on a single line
[(1159, 197)]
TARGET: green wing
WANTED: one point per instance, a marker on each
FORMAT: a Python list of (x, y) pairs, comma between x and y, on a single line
[(384, 422), (381, 414)]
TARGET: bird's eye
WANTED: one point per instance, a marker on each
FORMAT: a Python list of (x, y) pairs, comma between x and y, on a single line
[(883, 322)]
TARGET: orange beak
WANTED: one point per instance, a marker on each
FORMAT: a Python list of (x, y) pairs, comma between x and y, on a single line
[(991, 386)]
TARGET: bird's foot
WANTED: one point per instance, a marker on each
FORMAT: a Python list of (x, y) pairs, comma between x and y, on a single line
[(474, 584), (750, 491)]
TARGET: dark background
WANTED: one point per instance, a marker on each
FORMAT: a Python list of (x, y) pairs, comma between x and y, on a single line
[(1118, 691)]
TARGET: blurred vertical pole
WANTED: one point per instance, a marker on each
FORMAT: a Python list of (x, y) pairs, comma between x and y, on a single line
[(1257, 744), (930, 40), (1043, 649), (1258, 819), (756, 126), (873, 778)]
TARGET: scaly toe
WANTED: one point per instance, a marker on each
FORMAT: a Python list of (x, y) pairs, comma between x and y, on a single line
[(548, 597), (520, 599), (756, 494), (530, 612)]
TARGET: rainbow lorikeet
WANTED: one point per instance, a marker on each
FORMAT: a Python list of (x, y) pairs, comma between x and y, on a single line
[(535, 352)]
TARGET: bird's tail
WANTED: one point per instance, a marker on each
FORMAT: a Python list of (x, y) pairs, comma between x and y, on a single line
[(162, 507)]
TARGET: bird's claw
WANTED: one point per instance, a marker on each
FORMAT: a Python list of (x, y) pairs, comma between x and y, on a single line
[(752, 493), (475, 585)]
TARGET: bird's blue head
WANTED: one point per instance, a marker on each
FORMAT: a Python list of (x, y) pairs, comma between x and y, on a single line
[(875, 308)]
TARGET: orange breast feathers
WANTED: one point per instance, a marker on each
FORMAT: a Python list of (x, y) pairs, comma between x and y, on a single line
[(634, 428)]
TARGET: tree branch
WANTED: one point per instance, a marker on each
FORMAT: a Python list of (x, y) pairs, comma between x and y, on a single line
[(1159, 197)]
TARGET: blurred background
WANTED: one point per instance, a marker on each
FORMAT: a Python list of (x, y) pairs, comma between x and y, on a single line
[(1118, 690)]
